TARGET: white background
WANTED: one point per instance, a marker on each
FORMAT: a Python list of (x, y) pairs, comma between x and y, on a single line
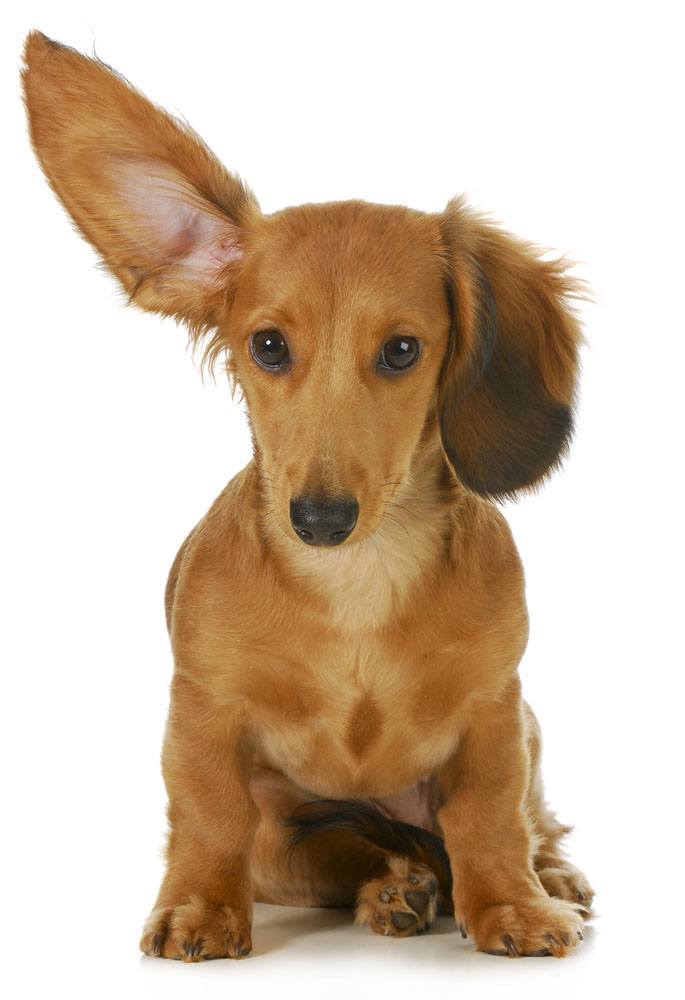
[(564, 121)]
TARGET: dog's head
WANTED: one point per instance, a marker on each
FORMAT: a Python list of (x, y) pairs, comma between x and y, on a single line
[(362, 335)]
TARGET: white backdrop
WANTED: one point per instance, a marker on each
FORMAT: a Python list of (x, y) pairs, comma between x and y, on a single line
[(565, 121)]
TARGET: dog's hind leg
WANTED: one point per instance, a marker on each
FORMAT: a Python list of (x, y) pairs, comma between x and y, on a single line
[(347, 854), (559, 877)]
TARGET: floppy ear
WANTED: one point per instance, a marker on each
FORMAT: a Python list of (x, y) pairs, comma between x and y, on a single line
[(168, 220), (507, 388)]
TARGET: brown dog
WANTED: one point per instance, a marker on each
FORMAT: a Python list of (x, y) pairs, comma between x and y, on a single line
[(346, 723)]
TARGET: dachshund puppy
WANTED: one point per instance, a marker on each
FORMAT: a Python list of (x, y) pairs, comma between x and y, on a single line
[(346, 724)]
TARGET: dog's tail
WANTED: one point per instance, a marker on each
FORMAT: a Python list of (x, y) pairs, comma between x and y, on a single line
[(366, 822)]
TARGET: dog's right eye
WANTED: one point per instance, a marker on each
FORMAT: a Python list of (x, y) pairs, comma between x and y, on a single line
[(270, 350)]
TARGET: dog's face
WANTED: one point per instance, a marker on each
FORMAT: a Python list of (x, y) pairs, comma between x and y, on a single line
[(338, 329), (361, 334)]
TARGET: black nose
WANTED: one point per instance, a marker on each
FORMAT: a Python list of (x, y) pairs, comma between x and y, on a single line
[(324, 520)]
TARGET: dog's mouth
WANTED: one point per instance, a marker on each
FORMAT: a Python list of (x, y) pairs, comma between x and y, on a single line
[(323, 520)]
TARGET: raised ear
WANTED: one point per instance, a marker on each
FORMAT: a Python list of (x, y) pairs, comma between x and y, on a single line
[(507, 388), (168, 220)]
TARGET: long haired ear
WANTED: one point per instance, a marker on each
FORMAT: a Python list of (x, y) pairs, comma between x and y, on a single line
[(167, 219), (507, 389)]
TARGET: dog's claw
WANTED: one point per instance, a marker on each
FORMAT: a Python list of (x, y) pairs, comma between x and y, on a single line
[(193, 949), (508, 943)]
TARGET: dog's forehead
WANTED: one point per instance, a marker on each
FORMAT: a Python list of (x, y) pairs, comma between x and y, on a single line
[(373, 252)]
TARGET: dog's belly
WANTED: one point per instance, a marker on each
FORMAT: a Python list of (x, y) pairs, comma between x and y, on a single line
[(276, 795), (417, 805)]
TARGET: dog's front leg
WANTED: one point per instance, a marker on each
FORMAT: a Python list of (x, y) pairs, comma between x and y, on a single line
[(204, 907), (498, 898)]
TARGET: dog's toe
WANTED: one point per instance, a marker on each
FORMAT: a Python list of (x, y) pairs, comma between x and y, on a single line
[(567, 882), (195, 931)]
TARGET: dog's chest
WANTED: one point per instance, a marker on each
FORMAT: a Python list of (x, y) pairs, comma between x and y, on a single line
[(363, 712), (359, 720)]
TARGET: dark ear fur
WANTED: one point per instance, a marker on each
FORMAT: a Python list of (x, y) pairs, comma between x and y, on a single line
[(506, 394)]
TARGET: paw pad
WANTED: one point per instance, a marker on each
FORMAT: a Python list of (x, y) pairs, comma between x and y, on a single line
[(399, 906)]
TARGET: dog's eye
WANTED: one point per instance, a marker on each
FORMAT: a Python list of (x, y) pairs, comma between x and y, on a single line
[(399, 354), (270, 350)]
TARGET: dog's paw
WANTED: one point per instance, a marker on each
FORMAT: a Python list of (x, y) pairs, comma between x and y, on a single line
[(532, 927), (400, 903), (563, 881), (196, 931)]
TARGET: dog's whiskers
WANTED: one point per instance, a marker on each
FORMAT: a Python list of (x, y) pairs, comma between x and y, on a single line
[(405, 509), (394, 520)]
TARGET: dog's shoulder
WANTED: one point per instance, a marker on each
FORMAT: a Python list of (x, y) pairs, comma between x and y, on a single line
[(480, 541)]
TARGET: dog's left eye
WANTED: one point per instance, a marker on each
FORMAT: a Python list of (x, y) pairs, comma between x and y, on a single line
[(270, 350), (399, 354)]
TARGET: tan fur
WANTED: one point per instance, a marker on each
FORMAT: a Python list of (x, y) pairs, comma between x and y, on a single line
[(383, 669)]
